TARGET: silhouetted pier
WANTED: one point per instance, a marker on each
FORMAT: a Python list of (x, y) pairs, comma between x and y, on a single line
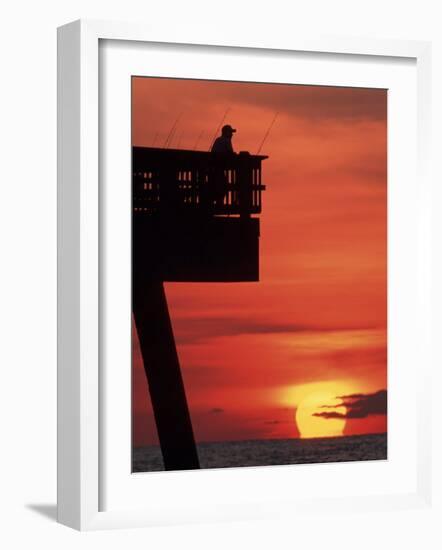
[(194, 220)]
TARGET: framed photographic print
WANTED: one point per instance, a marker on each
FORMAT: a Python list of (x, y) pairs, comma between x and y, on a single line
[(275, 270), (242, 276)]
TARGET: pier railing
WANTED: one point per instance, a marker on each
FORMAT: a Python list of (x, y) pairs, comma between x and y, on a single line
[(170, 180)]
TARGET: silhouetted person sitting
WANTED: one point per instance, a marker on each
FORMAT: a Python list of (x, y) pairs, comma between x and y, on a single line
[(223, 143)]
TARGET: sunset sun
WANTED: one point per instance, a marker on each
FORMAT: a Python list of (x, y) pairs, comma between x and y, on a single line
[(318, 409), (315, 403)]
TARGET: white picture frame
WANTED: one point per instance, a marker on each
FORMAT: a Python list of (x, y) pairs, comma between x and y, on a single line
[(79, 275)]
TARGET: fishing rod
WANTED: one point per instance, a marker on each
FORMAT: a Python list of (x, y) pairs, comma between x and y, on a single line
[(219, 126), (266, 135), (172, 137), (172, 131)]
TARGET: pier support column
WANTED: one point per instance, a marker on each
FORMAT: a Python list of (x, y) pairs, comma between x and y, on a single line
[(164, 377)]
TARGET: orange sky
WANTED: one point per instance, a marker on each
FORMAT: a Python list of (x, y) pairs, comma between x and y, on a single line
[(251, 353)]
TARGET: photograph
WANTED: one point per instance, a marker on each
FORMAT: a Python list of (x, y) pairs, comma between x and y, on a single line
[(259, 274)]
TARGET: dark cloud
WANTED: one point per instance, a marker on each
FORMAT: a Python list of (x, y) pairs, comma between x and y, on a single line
[(356, 396), (192, 331), (201, 329), (358, 405), (315, 103)]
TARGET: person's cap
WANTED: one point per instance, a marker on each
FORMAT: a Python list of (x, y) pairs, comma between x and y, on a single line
[(228, 128)]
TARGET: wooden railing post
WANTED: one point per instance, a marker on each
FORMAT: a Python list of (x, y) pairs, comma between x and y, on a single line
[(245, 182)]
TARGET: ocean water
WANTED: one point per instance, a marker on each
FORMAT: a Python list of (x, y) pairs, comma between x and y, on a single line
[(273, 452)]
